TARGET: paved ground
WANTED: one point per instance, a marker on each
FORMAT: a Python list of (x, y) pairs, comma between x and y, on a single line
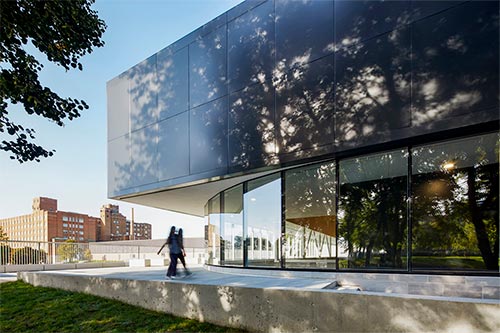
[(6, 277), (199, 276)]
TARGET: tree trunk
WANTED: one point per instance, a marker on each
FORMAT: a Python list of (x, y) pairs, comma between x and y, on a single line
[(483, 243)]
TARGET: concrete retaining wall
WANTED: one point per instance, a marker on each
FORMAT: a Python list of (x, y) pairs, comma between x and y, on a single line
[(52, 267), (484, 287), (288, 310)]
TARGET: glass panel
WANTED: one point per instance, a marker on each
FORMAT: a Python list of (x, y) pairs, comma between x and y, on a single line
[(310, 237), (299, 38), (372, 211), (208, 136), (173, 85), (207, 63), (118, 107), (232, 227), (372, 94), (455, 205), (173, 147), (262, 216), (356, 21), (118, 164), (213, 230), (455, 63), (144, 156), (304, 105), (251, 126), (251, 47), (143, 94)]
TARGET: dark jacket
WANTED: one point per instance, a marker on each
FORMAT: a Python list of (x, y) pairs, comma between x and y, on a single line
[(174, 245)]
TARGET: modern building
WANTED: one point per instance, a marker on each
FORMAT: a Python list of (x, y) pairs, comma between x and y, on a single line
[(46, 223), (346, 136)]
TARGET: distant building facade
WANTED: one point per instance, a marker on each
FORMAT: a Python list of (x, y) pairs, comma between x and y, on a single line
[(139, 231), (46, 223)]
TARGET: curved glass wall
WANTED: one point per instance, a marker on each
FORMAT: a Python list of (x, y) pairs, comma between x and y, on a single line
[(432, 207), (213, 230), (232, 226), (262, 221), (310, 232)]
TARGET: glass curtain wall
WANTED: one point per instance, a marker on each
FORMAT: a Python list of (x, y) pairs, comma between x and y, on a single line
[(310, 235), (232, 226), (455, 205), (213, 231), (454, 212), (372, 211), (262, 221)]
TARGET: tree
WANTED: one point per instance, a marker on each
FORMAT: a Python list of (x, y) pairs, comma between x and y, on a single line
[(3, 235), (69, 251), (62, 30)]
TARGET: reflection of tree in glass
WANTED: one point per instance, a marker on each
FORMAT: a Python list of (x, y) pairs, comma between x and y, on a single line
[(455, 210), (310, 212), (372, 213)]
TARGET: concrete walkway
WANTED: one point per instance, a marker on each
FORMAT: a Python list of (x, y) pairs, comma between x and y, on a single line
[(200, 276)]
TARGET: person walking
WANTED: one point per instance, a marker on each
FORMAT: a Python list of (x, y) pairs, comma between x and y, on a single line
[(183, 254), (175, 253)]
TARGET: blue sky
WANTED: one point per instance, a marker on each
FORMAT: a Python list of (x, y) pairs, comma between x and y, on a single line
[(76, 175)]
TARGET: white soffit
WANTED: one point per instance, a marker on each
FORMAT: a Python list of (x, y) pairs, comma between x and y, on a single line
[(190, 199)]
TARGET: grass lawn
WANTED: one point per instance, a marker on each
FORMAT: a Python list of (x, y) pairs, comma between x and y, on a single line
[(25, 308)]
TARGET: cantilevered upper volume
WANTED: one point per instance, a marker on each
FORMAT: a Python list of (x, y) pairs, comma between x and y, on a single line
[(361, 132)]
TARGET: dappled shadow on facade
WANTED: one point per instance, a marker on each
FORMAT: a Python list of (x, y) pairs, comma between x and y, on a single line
[(273, 86)]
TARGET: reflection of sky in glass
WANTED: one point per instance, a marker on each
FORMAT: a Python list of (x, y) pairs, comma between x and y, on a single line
[(373, 167), (263, 207), (465, 153)]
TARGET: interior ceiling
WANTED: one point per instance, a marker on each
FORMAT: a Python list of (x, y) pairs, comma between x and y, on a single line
[(190, 199)]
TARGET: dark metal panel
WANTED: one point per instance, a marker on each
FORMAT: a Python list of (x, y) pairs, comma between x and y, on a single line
[(118, 106), (143, 94), (455, 63), (144, 156), (242, 8), (208, 136), (304, 31), (356, 21), (305, 106), (251, 47), (207, 68), (251, 126), (173, 86), (422, 8), (173, 147), (373, 88)]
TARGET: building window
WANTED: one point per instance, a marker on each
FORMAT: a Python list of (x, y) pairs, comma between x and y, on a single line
[(213, 236), (232, 226), (262, 221), (310, 239), (455, 205), (373, 211)]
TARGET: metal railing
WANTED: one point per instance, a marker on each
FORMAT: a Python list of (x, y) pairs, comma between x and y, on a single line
[(14, 252)]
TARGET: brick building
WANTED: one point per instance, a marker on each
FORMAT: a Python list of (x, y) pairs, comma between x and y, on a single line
[(47, 223)]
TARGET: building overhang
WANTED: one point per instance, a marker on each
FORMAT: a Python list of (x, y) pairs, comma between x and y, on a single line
[(189, 199)]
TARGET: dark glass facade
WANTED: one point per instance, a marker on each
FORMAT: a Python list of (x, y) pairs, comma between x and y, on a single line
[(374, 123), (288, 80)]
